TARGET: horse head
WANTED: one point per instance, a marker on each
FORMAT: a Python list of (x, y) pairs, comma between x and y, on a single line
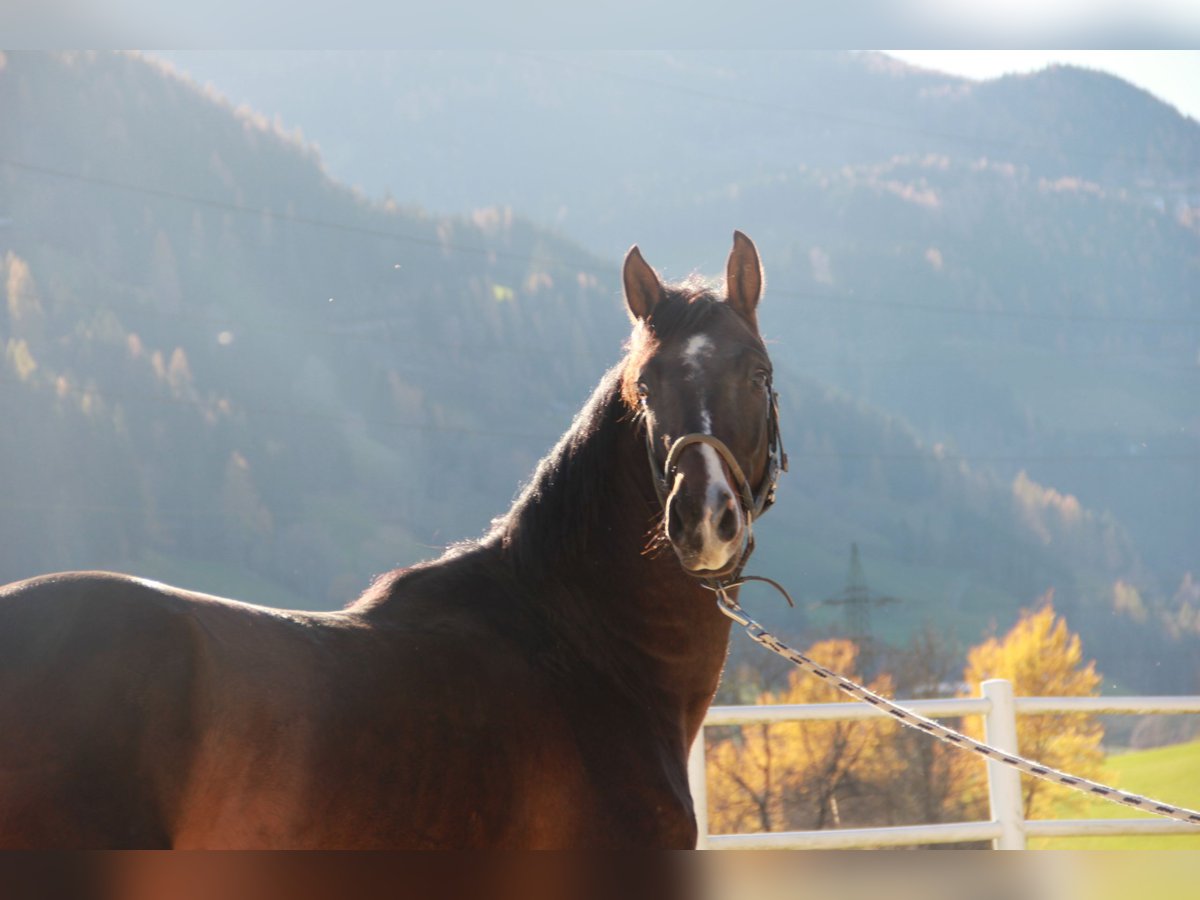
[(700, 377)]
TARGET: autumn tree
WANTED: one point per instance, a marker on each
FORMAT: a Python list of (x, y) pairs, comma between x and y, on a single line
[(801, 774), (26, 318), (936, 781), (1043, 658)]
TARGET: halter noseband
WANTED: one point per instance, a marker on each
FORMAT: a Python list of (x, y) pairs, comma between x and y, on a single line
[(753, 505)]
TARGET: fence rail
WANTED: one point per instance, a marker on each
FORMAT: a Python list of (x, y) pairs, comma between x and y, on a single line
[(1007, 828)]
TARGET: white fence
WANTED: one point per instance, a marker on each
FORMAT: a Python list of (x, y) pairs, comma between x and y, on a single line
[(1007, 828)]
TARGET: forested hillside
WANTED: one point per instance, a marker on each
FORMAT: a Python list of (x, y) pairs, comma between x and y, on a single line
[(225, 368), (1009, 266), (242, 361), (584, 138)]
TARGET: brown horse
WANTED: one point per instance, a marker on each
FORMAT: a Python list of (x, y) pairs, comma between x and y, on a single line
[(537, 688)]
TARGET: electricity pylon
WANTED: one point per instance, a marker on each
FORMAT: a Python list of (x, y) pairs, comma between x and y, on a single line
[(857, 599)]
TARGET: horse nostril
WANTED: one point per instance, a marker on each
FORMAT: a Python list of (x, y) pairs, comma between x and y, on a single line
[(727, 528)]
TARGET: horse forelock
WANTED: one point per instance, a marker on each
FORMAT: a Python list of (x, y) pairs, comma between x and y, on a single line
[(689, 308)]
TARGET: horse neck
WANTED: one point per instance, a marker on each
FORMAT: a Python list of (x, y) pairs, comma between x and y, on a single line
[(635, 615)]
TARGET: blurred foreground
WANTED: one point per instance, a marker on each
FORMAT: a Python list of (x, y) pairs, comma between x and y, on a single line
[(729, 876)]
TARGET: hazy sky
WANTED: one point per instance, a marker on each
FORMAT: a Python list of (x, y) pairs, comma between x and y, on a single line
[(1173, 75)]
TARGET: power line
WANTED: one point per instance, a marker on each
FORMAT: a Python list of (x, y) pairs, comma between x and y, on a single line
[(258, 211), (151, 511), (107, 509), (945, 309), (1009, 458), (842, 298), (298, 414), (229, 323), (839, 118), (548, 439), (953, 363)]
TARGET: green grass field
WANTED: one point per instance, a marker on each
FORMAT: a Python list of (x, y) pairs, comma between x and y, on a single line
[(1171, 774)]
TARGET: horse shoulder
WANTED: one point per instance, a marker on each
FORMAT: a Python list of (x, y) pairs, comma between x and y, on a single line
[(640, 766), (462, 742)]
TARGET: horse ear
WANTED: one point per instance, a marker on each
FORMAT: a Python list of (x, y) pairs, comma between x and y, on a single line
[(744, 277), (643, 290)]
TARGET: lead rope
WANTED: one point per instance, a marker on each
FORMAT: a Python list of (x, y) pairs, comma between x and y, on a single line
[(760, 635)]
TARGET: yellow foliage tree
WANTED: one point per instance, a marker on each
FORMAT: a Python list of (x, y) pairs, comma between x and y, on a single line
[(803, 774), (25, 316), (936, 782), (1043, 658)]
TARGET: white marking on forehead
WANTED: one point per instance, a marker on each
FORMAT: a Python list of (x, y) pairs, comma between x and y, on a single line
[(713, 469), (715, 553), (716, 476), (698, 345)]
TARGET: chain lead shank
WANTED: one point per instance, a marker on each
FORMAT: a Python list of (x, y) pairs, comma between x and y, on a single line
[(760, 635)]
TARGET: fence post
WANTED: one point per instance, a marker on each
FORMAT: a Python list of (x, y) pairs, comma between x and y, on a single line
[(1004, 783), (698, 782)]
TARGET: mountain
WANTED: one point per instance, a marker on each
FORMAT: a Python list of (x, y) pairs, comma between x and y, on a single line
[(1054, 215), (575, 139), (1010, 265), (225, 368), (290, 378)]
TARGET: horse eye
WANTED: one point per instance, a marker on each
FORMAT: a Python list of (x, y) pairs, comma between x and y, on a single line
[(761, 378), (642, 390)]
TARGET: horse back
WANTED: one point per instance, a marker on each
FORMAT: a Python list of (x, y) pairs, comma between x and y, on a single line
[(138, 715)]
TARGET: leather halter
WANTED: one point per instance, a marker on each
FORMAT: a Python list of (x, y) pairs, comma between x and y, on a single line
[(753, 504)]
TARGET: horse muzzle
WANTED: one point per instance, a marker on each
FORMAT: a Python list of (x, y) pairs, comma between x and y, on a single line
[(705, 522)]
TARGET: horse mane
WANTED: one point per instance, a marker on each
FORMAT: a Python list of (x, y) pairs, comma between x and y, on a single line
[(569, 485), (583, 470), (562, 518)]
